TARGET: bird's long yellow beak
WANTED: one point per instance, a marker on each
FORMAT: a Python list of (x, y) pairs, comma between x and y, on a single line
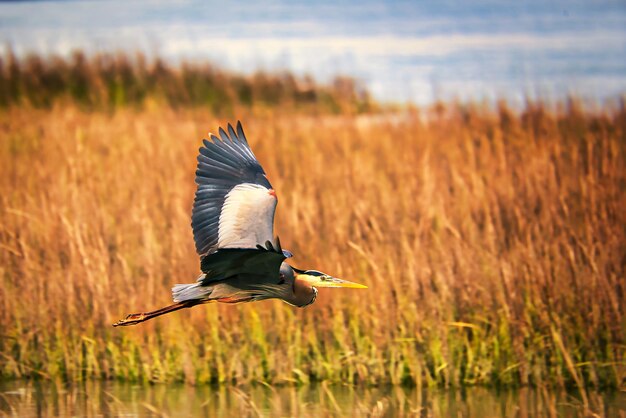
[(329, 281), (335, 282)]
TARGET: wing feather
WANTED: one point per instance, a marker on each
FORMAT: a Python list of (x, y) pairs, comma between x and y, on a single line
[(229, 262), (233, 207)]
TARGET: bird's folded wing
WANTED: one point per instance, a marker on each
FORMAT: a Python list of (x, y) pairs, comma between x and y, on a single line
[(235, 203), (230, 262)]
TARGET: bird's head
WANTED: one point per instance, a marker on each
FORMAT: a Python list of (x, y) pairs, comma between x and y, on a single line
[(317, 279)]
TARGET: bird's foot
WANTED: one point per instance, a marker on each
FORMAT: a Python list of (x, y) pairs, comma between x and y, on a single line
[(131, 319)]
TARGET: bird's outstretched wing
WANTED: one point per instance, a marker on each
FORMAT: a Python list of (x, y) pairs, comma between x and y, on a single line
[(235, 203)]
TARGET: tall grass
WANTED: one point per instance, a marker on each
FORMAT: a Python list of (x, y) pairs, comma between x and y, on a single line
[(493, 244), (106, 81)]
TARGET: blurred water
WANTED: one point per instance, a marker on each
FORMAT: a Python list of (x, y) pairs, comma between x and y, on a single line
[(104, 399), (402, 50)]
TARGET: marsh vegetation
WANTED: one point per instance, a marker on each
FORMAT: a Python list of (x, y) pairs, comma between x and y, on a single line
[(492, 241)]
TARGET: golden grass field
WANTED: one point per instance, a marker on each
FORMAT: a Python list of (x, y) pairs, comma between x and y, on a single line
[(492, 242)]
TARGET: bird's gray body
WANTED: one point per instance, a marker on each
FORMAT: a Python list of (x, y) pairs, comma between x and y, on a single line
[(247, 287)]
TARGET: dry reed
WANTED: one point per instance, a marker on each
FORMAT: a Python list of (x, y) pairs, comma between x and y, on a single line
[(492, 243), (106, 81)]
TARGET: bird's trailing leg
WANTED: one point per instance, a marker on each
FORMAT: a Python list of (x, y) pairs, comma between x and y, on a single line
[(136, 318)]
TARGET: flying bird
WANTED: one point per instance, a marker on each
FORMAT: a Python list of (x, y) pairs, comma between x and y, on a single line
[(233, 228)]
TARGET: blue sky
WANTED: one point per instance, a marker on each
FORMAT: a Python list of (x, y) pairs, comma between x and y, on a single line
[(402, 51)]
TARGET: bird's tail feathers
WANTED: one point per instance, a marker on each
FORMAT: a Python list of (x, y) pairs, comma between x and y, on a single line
[(193, 291)]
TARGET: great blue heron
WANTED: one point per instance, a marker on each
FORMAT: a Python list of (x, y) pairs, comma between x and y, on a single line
[(233, 227)]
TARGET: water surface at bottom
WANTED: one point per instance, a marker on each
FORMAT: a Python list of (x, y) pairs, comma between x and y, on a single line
[(112, 399)]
